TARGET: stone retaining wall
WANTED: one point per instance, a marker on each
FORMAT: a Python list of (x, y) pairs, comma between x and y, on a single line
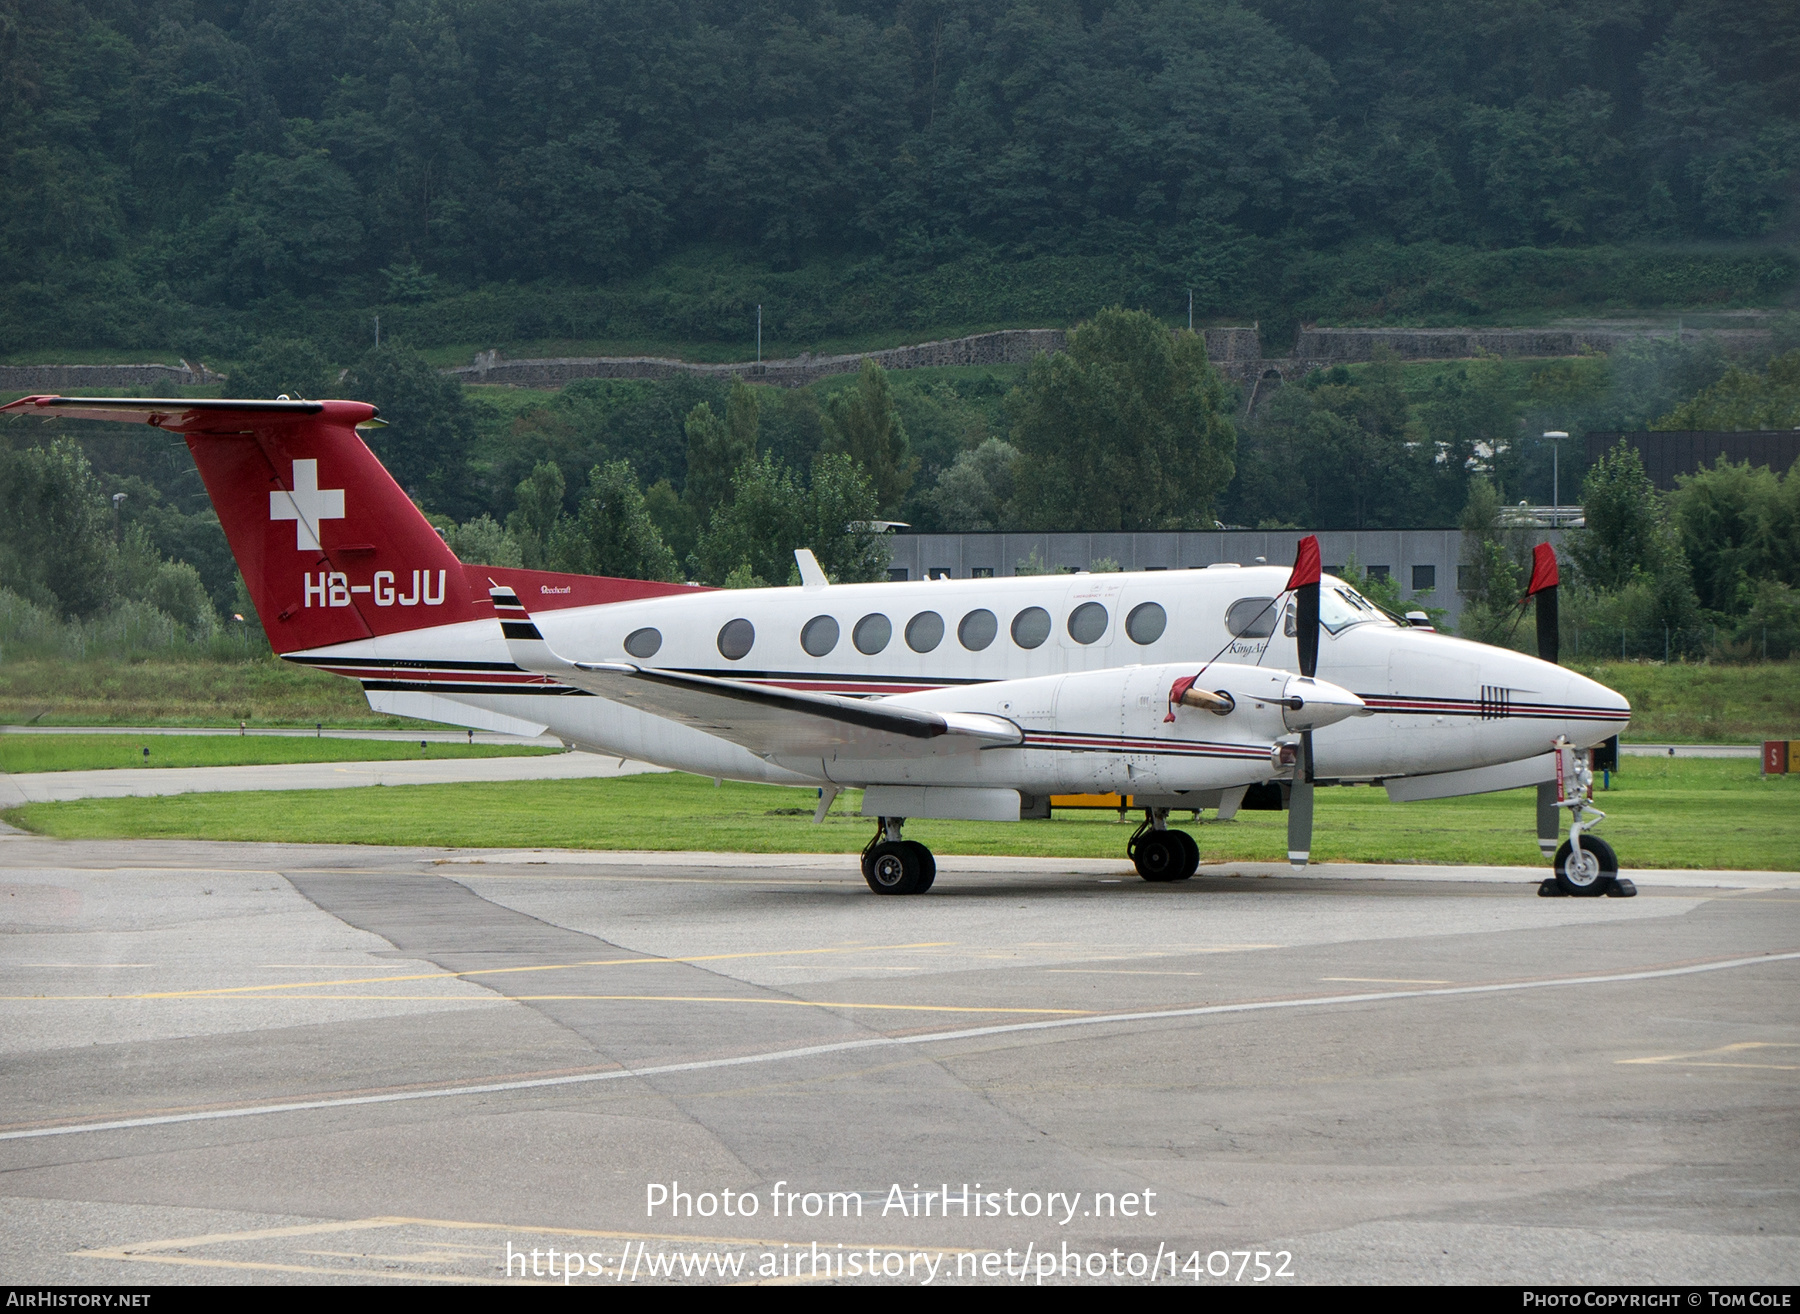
[(1006, 347), (1336, 346), (76, 379)]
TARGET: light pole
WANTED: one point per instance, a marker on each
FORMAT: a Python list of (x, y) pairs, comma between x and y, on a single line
[(1190, 310), (759, 333), (1555, 436)]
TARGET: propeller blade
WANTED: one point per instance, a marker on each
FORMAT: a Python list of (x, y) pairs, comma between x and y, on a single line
[(1544, 580), (1304, 584), (1300, 806), (1548, 819)]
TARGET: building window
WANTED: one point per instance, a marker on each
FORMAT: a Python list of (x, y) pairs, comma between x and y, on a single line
[(981, 572), (938, 572), (1424, 577), (1462, 579), (897, 573), (1379, 572)]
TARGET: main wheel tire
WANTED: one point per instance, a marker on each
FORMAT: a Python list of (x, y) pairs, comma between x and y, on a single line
[(894, 869), (1159, 856), (1191, 846), (1593, 875), (927, 865)]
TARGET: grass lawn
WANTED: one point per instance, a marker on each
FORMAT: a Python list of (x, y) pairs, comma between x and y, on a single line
[(23, 753), (1682, 812), (1705, 704), (118, 691)]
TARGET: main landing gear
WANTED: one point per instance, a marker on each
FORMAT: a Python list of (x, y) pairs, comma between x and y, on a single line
[(1161, 854), (1585, 866), (892, 865)]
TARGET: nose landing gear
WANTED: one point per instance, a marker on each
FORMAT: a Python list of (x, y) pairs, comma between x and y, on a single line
[(1585, 866), (892, 865)]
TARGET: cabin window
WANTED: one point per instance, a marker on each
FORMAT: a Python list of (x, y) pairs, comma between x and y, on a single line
[(1251, 618), (644, 642), (872, 633), (1146, 622), (819, 636), (1031, 627), (1087, 622), (736, 638), (924, 631), (978, 629)]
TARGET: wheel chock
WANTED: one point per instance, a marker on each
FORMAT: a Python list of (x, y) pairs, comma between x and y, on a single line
[(1621, 889), (1551, 890)]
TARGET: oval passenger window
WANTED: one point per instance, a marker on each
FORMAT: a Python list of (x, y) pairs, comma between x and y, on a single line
[(1146, 622), (819, 636), (735, 638), (644, 642), (1087, 622), (1251, 618), (872, 633), (978, 629), (924, 631), (1031, 627)]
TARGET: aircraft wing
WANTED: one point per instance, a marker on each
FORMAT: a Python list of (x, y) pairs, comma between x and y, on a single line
[(769, 722)]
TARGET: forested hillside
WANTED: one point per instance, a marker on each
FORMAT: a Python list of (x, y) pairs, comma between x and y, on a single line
[(194, 173)]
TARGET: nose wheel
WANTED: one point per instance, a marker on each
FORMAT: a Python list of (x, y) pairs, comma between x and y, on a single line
[(1585, 867), (892, 865)]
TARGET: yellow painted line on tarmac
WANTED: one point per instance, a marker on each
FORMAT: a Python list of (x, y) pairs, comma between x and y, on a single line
[(505, 971), (1705, 1058)]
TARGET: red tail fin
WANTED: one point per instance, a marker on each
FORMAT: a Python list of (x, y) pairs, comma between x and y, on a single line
[(330, 546)]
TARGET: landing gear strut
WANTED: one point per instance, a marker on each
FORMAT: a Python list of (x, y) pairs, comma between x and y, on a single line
[(1585, 866), (892, 865), (1161, 854)]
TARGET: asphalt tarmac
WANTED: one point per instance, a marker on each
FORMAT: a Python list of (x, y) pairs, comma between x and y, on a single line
[(231, 1063)]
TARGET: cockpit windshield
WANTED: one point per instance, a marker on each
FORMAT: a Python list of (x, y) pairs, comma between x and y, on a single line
[(1341, 606)]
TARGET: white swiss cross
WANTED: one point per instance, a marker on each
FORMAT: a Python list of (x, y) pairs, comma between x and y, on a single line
[(307, 505)]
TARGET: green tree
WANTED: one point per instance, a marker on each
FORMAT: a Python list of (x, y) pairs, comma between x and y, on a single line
[(57, 538), (1494, 568), (753, 536), (717, 449), (1125, 430), (864, 424), (537, 507), (277, 367), (1739, 526), (1628, 545), (612, 533), (1744, 399), (484, 542), (975, 493), (425, 445)]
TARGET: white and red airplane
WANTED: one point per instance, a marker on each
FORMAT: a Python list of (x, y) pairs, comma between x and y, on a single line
[(976, 699)]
